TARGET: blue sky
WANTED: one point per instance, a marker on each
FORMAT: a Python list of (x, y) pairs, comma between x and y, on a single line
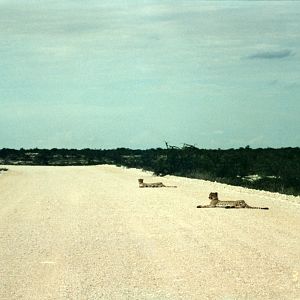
[(107, 74)]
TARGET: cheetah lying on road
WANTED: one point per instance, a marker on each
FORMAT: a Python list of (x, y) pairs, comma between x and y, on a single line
[(215, 202), (142, 184)]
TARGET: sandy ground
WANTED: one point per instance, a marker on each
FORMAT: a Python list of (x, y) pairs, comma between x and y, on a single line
[(91, 233)]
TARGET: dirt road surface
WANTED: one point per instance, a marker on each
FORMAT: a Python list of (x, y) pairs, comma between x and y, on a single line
[(91, 233)]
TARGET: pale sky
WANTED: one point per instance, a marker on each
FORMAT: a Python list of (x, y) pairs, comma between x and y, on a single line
[(107, 74)]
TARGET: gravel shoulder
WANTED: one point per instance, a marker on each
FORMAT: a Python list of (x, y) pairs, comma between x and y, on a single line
[(91, 233)]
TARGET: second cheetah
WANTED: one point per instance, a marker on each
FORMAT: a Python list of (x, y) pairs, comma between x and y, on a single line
[(215, 202)]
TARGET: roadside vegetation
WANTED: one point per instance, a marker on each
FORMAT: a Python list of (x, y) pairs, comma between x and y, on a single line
[(276, 170)]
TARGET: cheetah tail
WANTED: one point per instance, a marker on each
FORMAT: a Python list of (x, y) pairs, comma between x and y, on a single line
[(254, 207)]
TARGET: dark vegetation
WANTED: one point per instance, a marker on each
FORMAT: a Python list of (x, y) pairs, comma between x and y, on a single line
[(276, 170)]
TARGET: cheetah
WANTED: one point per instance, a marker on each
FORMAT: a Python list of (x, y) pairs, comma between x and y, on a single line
[(142, 184), (215, 202)]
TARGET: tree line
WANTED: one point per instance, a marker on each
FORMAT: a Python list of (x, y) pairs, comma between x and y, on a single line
[(276, 170)]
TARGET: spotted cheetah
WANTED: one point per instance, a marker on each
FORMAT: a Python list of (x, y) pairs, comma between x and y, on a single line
[(143, 184), (215, 202)]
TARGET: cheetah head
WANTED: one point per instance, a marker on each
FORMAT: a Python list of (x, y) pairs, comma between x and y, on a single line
[(213, 196)]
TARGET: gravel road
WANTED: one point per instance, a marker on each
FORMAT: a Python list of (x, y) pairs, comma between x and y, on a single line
[(91, 233)]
